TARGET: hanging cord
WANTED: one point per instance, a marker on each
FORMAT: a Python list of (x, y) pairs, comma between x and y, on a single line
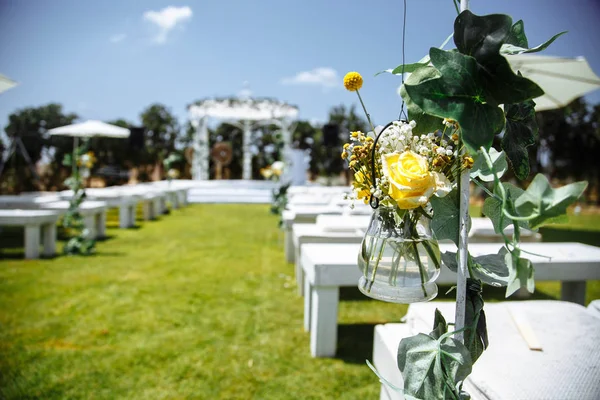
[(402, 112), (374, 200)]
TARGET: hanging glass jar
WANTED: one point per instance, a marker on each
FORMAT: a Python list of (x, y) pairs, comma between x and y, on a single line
[(399, 258)]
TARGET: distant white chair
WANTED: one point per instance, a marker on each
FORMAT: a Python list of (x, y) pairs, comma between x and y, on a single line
[(40, 228)]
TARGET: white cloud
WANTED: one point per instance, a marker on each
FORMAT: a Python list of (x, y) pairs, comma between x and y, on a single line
[(167, 19), (119, 37), (324, 76)]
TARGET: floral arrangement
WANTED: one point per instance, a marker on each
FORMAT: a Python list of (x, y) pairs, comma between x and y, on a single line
[(274, 172), (414, 175), (81, 161), (169, 165)]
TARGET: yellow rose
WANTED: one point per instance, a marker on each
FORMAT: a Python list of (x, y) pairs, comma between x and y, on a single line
[(411, 182)]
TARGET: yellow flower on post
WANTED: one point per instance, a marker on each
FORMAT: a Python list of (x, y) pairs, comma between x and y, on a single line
[(361, 188), (353, 81), (411, 182)]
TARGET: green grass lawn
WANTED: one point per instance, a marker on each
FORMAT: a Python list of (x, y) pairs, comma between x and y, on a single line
[(199, 304)]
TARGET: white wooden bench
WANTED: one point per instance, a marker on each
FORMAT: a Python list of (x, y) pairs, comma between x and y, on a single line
[(350, 229), (40, 227), (126, 203), (327, 267), (92, 211), (308, 215), (568, 367)]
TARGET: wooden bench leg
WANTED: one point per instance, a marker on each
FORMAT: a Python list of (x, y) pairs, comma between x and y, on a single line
[(89, 222), (573, 292), (146, 210), (299, 274), (49, 235), (132, 212), (100, 224), (307, 305), (174, 200), (32, 241), (323, 321), (288, 243), (124, 217)]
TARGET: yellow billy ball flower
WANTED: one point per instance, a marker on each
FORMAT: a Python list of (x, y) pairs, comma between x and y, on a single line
[(353, 81)]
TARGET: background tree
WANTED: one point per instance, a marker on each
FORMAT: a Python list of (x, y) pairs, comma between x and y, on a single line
[(161, 132), (31, 124)]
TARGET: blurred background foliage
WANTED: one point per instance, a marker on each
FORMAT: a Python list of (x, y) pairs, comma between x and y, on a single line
[(568, 145)]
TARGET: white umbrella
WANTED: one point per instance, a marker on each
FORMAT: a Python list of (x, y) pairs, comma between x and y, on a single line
[(6, 83), (90, 129), (562, 79)]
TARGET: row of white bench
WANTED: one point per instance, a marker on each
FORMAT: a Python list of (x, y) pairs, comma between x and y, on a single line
[(39, 212), (322, 239)]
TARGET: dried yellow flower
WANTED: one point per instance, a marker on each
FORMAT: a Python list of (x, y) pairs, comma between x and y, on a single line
[(353, 81)]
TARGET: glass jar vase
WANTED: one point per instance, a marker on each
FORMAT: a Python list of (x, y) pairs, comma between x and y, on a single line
[(399, 258)]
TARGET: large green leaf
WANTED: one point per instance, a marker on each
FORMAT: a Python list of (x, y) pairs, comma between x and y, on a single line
[(490, 268), (475, 336), (521, 274), (432, 368), (517, 36), (516, 42), (425, 122), (445, 222), (457, 94), (521, 131), (543, 203), (440, 326), (492, 208), (481, 170), (481, 36)]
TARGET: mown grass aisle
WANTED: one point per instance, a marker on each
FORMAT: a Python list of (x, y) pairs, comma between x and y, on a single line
[(199, 304)]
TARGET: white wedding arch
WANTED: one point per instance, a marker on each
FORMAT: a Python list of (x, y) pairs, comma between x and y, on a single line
[(245, 113)]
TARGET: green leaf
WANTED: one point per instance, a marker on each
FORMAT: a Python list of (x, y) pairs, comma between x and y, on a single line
[(440, 326), (517, 36), (521, 274), (432, 368), (457, 94), (411, 68), (445, 222), (482, 171), (511, 49), (425, 123), (491, 269), (475, 336), (492, 208), (481, 36), (543, 203), (521, 131)]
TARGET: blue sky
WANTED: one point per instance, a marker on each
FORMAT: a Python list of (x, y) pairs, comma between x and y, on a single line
[(110, 59)]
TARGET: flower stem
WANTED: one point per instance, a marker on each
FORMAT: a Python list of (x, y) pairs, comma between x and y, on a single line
[(366, 113)]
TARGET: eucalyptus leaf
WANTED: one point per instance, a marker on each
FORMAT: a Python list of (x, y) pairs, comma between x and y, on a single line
[(492, 208), (543, 203), (425, 122), (521, 131), (411, 68), (482, 171), (445, 222), (450, 261), (432, 368)]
